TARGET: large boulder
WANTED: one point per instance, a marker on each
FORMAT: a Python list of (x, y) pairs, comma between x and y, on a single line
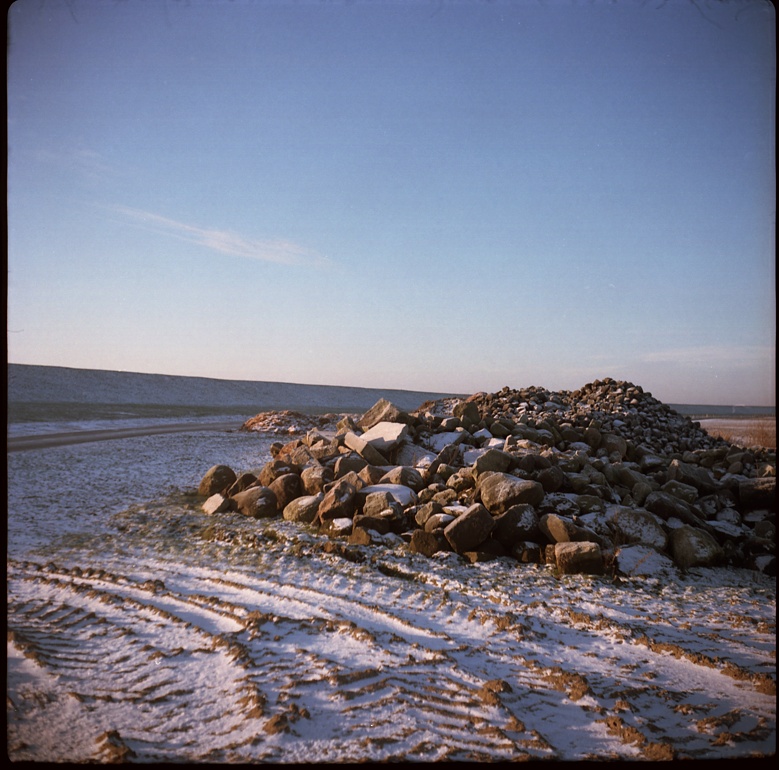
[(467, 412), (364, 449), (551, 478), (256, 503), (383, 411), (426, 543), (408, 477), (303, 509), (350, 461), (493, 460), (578, 558), (286, 488), (244, 481), (373, 474), (635, 560), (470, 529), (692, 547), (403, 495), (315, 478), (757, 493), (414, 455), (679, 489), (377, 502), (386, 436), (641, 527), (518, 524), (218, 478), (273, 469), (559, 529), (694, 475), (613, 443), (500, 491), (338, 502), (449, 454), (439, 442)]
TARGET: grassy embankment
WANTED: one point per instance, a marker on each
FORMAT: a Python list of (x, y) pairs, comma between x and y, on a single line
[(759, 432)]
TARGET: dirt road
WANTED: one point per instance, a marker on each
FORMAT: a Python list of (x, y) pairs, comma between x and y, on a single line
[(43, 441)]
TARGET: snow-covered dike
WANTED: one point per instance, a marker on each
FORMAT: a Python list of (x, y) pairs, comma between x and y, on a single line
[(141, 629), (57, 384)]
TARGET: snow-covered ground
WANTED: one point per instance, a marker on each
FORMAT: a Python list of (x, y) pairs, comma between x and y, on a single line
[(140, 628)]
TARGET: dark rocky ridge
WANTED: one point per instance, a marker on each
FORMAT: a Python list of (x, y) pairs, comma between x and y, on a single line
[(604, 478)]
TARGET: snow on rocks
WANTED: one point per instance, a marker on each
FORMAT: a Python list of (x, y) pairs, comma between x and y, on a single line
[(289, 422), (605, 478)]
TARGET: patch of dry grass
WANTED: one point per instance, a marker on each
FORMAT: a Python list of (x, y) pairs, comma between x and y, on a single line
[(759, 431)]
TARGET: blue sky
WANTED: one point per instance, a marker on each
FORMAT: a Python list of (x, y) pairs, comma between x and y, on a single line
[(443, 196)]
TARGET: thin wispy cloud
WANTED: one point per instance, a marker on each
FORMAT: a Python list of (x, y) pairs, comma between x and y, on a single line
[(277, 250)]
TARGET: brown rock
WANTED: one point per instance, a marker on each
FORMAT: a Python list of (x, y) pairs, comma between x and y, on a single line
[(286, 488), (338, 502), (574, 558), (500, 491), (470, 529), (256, 502), (218, 478)]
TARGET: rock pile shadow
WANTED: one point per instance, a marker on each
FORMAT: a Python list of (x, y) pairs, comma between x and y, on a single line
[(604, 479)]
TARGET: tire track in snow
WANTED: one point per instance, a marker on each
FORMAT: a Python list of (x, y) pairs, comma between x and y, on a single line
[(287, 653)]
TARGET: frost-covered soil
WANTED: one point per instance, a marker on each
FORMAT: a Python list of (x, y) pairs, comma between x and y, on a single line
[(141, 629)]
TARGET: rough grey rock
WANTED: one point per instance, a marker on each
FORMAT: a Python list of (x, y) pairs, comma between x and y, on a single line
[(637, 559), (386, 436), (438, 521), (403, 495), (350, 461), (667, 506), (691, 547), (694, 475), (493, 460), (364, 449), (467, 412), (679, 489), (639, 527), (415, 456), (518, 524), (380, 524), (758, 493), (425, 511), (403, 475), (376, 502)]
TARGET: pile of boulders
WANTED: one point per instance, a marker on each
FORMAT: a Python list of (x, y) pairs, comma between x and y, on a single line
[(602, 479), (289, 422)]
